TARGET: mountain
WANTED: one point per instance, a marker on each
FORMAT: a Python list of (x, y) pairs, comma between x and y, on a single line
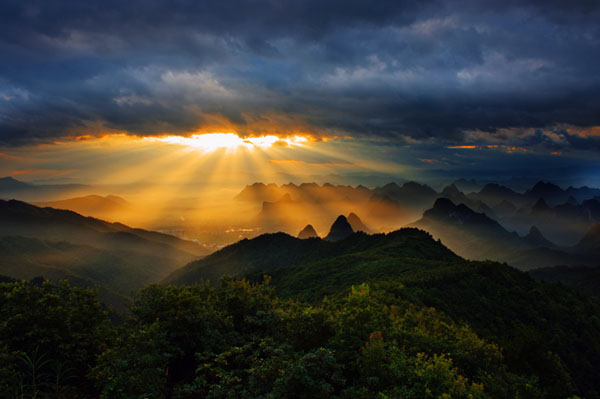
[(61, 244), (259, 192), (305, 192), (467, 186), (109, 206), (548, 191), (469, 233), (23, 219), (477, 236), (452, 193), (409, 194), (394, 205), (116, 273), (541, 208), (10, 187), (339, 230), (8, 184), (261, 253), (308, 232), (357, 224), (269, 251), (537, 239), (493, 193), (529, 320), (583, 193)]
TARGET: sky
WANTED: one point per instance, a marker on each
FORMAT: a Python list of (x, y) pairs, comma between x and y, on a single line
[(355, 91)]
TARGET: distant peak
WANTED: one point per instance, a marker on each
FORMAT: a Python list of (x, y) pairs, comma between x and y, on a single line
[(540, 205), (536, 238), (451, 190), (444, 204), (308, 232), (544, 185), (357, 224), (533, 230), (340, 229), (572, 201)]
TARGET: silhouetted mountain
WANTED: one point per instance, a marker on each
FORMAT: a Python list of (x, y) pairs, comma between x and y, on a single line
[(305, 192), (410, 193), (467, 232), (467, 186), (400, 203), (339, 230), (259, 192), (451, 191), (11, 184), (268, 251), (20, 218), (308, 232), (540, 208), (476, 236), (571, 201), (453, 194), (357, 224), (60, 244), (493, 193), (537, 239), (550, 192), (92, 205), (10, 187), (583, 193)]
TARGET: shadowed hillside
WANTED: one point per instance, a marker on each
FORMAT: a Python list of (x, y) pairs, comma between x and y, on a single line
[(528, 319)]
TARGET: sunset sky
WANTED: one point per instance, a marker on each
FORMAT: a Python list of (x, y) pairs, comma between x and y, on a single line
[(360, 92)]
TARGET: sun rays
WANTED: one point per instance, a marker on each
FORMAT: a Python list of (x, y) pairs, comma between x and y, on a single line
[(209, 142)]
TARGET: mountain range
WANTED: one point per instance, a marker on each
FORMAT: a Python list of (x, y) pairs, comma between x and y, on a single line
[(477, 236), (61, 244), (564, 215)]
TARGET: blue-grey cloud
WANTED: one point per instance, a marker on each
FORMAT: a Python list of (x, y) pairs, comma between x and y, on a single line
[(394, 69)]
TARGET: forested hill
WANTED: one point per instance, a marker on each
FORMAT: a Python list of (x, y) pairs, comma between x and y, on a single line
[(271, 251), (545, 331)]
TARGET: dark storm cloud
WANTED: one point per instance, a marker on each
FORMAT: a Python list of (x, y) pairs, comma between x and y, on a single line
[(390, 69)]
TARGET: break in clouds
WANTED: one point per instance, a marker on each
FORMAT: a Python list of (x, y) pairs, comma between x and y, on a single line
[(479, 72)]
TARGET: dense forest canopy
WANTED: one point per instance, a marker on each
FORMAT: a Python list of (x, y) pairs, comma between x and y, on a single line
[(240, 340)]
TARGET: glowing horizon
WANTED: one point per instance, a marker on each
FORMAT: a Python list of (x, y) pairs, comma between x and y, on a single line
[(209, 142)]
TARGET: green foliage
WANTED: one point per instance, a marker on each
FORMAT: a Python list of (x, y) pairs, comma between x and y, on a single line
[(240, 341), (385, 316), (50, 337)]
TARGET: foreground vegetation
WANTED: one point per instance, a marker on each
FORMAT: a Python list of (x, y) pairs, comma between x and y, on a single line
[(239, 340)]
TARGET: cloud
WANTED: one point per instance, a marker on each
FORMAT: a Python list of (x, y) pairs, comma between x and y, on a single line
[(393, 70)]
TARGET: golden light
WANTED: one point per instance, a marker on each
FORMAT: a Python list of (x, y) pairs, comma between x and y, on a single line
[(209, 142)]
